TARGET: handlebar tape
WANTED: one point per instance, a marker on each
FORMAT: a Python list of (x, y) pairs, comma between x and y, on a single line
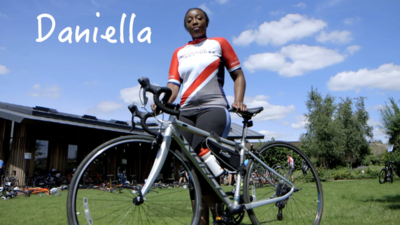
[(157, 91)]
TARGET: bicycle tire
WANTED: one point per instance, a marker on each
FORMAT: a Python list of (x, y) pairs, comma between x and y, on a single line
[(304, 206), (161, 206), (38, 182), (382, 176)]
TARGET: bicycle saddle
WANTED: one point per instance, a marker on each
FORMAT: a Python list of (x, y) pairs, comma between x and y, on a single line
[(249, 113)]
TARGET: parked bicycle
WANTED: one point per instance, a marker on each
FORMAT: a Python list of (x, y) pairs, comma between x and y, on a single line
[(387, 173), (48, 180), (282, 200)]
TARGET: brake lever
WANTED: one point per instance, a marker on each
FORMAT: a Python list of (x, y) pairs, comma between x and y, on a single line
[(132, 108), (145, 99)]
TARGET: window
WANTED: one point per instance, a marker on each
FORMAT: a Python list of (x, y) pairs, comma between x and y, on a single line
[(71, 158), (41, 153)]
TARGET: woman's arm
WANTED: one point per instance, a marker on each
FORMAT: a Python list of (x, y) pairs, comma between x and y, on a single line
[(240, 88), (175, 91)]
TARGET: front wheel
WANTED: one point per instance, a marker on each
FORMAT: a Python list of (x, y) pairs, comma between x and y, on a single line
[(382, 176), (304, 206), (134, 154)]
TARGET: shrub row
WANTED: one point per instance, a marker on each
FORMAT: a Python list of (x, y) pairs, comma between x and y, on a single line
[(370, 172)]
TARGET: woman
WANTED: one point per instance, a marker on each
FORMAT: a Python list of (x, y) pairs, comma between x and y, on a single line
[(197, 69)]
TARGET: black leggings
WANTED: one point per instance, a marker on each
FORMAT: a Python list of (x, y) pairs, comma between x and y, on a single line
[(210, 119)]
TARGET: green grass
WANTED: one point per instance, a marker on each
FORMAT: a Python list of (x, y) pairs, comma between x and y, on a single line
[(361, 202), (346, 202)]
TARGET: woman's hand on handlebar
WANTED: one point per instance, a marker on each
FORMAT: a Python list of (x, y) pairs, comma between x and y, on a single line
[(239, 106), (154, 109)]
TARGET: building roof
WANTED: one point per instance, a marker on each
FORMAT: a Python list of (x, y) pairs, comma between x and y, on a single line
[(21, 114)]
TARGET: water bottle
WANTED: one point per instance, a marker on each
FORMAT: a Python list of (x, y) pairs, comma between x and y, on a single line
[(211, 161)]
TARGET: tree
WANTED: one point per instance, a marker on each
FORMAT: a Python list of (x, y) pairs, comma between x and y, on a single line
[(354, 130), (390, 118), (320, 140), (336, 134)]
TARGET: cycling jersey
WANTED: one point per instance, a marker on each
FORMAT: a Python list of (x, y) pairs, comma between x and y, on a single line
[(198, 68), (291, 162)]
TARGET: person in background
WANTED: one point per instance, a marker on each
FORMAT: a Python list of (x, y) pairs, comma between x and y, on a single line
[(290, 166)]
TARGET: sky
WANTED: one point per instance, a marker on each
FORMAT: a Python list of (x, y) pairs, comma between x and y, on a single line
[(85, 56)]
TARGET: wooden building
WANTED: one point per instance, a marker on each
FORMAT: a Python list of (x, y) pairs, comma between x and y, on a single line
[(40, 139)]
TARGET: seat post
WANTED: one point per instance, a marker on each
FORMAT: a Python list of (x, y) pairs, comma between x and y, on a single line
[(246, 123)]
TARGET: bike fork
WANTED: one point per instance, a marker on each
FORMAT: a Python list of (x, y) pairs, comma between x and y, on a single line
[(158, 162)]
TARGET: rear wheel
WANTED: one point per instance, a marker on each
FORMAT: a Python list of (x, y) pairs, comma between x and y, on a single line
[(39, 182), (382, 176), (161, 205), (304, 206)]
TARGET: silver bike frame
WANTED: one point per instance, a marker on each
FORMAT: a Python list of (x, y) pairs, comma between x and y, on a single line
[(171, 132)]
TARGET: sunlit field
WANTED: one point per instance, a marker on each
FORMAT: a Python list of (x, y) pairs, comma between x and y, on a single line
[(346, 202)]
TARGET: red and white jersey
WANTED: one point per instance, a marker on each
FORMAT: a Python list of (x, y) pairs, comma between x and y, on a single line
[(198, 68)]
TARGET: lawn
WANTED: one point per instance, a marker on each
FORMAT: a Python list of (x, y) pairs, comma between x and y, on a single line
[(346, 202)]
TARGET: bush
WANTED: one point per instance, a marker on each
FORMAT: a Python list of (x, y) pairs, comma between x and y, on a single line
[(342, 173), (370, 172)]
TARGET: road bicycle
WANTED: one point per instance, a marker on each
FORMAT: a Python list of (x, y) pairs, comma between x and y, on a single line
[(48, 180), (386, 173), (279, 201)]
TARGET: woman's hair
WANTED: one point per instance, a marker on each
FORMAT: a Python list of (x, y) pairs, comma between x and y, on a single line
[(205, 14)]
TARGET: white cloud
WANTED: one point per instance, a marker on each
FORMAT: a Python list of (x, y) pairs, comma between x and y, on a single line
[(131, 94), (276, 13), (268, 135), (109, 106), (289, 28), (206, 9), (302, 59), (301, 122), (352, 49), (351, 21), (222, 1), (89, 83), (105, 107), (301, 5), (95, 3), (48, 91), (379, 107), (270, 112), (337, 37), (377, 132), (3, 70), (327, 4), (386, 77)]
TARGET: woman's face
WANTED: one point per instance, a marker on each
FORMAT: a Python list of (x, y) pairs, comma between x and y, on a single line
[(196, 23)]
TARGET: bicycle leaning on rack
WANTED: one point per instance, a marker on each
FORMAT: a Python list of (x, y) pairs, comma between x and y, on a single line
[(278, 200), (386, 173)]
